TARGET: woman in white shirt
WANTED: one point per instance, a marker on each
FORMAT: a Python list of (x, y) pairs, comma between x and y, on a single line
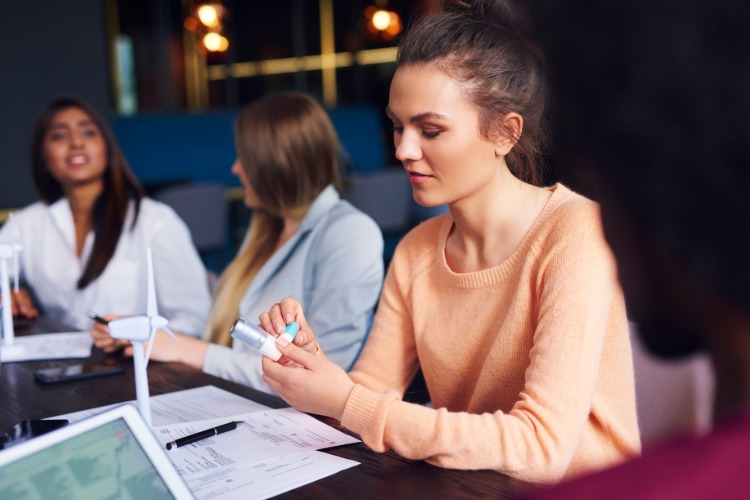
[(84, 244)]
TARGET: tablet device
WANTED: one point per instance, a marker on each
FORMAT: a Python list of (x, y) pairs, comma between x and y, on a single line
[(113, 454)]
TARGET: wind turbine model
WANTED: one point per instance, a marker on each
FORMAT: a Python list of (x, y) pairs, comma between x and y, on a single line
[(8, 251), (138, 329)]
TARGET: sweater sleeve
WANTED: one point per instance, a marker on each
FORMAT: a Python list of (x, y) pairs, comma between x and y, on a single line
[(537, 438)]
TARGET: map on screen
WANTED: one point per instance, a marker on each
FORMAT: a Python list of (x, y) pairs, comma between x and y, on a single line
[(104, 462)]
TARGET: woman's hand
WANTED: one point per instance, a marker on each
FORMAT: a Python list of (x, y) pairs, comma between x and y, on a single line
[(312, 384), (187, 350), (21, 304), (287, 311), (103, 338)]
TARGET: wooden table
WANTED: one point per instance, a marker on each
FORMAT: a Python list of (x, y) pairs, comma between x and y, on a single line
[(378, 475)]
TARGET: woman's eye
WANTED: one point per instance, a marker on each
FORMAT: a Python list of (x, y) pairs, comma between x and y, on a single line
[(56, 136), (397, 129), (430, 133), (89, 132)]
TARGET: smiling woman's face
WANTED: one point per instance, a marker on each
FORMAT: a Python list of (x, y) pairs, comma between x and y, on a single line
[(75, 151), (437, 137)]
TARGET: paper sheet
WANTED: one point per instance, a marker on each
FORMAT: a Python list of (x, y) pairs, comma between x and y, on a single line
[(266, 479), (199, 403), (264, 435), (48, 346), (273, 452)]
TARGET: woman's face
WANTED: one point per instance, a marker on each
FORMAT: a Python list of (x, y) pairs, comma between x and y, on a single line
[(250, 198), (437, 138), (75, 152)]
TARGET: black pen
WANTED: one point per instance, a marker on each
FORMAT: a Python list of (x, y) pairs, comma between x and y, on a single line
[(192, 438), (97, 318)]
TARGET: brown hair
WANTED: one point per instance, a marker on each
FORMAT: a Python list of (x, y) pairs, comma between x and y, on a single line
[(120, 186), (287, 145), (484, 45)]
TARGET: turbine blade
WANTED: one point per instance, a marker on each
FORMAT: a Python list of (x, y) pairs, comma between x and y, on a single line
[(15, 245), (150, 345), (171, 333), (15, 268), (151, 304)]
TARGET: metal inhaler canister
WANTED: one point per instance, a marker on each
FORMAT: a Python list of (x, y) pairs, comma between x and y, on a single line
[(261, 340)]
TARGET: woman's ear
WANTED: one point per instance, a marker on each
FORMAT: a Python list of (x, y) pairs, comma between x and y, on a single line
[(507, 133)]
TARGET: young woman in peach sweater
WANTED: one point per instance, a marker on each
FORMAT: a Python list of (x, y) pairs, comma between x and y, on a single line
[(510, 303)]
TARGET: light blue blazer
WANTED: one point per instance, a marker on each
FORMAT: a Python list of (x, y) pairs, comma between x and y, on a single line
[(334, 267)]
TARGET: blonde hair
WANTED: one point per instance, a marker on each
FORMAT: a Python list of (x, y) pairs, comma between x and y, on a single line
[(287, 146)]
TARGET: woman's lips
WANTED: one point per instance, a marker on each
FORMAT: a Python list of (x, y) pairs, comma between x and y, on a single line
[(417, 178)]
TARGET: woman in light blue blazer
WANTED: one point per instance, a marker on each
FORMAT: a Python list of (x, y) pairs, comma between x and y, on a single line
[(304, 241)]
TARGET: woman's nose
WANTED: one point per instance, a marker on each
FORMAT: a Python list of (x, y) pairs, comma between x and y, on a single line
[(76, 139), (407, 148), (235, 169)]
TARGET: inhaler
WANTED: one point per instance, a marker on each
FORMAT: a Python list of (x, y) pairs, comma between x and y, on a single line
[(261, 340)]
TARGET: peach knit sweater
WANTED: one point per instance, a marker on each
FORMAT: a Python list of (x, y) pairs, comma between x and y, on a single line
[(528, 363)]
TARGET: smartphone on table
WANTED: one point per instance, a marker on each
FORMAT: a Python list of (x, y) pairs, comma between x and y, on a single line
[(77, 371), (27, 429)]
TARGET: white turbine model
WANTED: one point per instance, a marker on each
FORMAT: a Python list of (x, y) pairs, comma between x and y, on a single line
[(138, 329), (8, 251)]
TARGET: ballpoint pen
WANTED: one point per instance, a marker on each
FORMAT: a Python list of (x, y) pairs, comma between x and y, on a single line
[(97, 318), (192, 438)]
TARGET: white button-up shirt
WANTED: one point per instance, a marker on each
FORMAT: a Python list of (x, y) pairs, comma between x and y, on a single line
[(51, 267)]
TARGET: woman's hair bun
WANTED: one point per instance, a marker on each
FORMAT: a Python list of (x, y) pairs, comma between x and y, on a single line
[(510, 15)]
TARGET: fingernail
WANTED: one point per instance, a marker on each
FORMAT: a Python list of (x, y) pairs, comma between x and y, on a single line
[(288, 318), (281, 341), (279, 327)]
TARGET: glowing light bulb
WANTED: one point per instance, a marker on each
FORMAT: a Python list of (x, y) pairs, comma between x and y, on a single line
[(381, 20), (214, 42), (208, 15)]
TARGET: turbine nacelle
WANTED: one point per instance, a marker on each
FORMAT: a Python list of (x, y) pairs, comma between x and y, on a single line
[(138, 328)]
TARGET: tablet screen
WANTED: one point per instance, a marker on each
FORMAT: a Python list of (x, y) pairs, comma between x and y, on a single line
[(105, 462)]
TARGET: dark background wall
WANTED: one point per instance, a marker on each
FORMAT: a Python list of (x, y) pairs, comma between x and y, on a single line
[(49, 48)]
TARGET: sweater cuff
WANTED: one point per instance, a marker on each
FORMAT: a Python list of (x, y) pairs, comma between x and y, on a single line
[(365, 413), (360, 409)]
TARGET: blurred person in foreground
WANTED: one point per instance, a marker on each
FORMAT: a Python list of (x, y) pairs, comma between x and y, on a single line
[(653, 99)]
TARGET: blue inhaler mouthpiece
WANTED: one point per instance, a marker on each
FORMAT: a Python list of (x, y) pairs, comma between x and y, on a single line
[(291, 329)]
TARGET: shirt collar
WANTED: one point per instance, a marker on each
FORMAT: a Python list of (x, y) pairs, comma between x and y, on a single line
[(322, 204)]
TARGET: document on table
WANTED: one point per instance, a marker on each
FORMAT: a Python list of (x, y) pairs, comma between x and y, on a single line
[(187, 405), (264, 435), (266, 479), (48, 346), (272, 452)]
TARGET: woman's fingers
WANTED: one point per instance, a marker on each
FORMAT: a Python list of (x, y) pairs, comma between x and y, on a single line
[(102, 337), (310, 383), (281, 314), (22, 304)]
